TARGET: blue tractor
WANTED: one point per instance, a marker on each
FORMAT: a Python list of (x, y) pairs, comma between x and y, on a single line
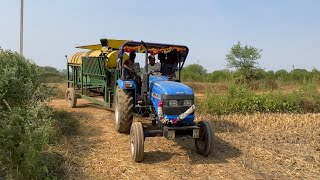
[(157, 95)]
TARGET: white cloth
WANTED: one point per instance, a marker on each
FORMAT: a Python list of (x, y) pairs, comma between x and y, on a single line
[(155, 67)]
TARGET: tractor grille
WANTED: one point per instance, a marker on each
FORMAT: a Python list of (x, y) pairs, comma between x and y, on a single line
[(175, 110)]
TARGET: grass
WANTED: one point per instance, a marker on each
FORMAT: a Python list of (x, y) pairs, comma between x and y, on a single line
[(64, 124), (59, 89), (241, 99), (274, 145), (64, 127)]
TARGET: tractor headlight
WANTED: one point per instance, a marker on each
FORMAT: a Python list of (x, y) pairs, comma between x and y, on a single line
[(173, 103), (187, 102)]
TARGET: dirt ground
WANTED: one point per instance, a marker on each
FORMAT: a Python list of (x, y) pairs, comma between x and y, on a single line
[(246, 147)]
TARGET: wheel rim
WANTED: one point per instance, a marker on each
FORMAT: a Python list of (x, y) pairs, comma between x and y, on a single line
[(202, 140), (69, 97), (117, 111), (132, 144)]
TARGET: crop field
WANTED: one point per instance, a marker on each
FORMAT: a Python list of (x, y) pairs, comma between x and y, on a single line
[(249, 146)]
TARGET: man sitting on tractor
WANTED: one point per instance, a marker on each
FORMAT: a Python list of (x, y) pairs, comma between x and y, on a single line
[(170, 65), (153, 67), (129, 69), (129, 64)]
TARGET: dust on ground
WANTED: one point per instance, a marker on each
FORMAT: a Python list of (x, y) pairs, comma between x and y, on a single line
[(246, 147)]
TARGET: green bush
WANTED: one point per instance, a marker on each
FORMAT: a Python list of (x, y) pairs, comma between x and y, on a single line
[(25, 123), (240, 99), (220, 75), (49, 74), (268, 79)]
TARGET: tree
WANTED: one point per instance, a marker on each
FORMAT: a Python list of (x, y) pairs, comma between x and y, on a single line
[(245, 60), (194, 72), (195, 68)]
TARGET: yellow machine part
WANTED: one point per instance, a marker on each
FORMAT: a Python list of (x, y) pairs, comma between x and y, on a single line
[(110, 61), (112, 43), (76, 58)]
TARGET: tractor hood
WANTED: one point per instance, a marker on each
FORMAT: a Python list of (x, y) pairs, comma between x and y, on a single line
[(171, 88), (164, 91)]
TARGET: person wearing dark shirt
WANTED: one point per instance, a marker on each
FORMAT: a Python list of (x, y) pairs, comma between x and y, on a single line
[(130, 62), (169, 65)]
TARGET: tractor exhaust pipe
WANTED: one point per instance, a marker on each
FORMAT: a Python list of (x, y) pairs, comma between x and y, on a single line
[(145, 83)]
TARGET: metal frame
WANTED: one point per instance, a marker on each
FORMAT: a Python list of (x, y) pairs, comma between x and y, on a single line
[(92, 74)]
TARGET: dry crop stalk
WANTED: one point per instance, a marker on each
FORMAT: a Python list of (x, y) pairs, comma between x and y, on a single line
[(6, 103)]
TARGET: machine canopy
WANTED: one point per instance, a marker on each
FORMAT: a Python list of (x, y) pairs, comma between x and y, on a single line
[(112, 43), (153, 48)]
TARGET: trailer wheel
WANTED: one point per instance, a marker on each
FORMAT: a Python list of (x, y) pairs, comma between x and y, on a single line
[(71, 97), (123, 110), (204, 144), (137, 142)]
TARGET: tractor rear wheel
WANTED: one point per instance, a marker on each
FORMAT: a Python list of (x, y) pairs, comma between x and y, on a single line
[(71, 97), (137, 142), (123, 110), (204, 144)]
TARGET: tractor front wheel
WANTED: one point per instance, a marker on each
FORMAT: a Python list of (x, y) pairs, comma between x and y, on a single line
[(71, 97), (137, 141), (123, 110), (204, 144)]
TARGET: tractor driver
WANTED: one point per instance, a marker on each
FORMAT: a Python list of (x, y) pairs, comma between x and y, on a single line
[(130, 73), (153, 67), (129, 64), (170, 65)]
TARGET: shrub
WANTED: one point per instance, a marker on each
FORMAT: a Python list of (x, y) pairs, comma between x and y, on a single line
[(25, 124), (240, 99), (49, 74), (220, 75)]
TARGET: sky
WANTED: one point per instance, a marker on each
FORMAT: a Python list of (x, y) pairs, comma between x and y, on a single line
[(288, 31)]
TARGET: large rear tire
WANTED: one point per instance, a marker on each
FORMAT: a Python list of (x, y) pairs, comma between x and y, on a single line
[(204, 144), (137, 142), (123, 110), (71, 97)]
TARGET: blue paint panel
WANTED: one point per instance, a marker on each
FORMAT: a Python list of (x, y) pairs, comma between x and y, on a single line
[(157, 78), (172, 88), (155, 101), (122, 82), (169, 88)]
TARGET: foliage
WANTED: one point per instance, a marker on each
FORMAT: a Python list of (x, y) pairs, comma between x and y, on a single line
[(282, 75), (196, 68), (244, 59), (265, 79), (24, 133), (240, 99), (220, 75), (25, 124), (49, 74), (194, 72)]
